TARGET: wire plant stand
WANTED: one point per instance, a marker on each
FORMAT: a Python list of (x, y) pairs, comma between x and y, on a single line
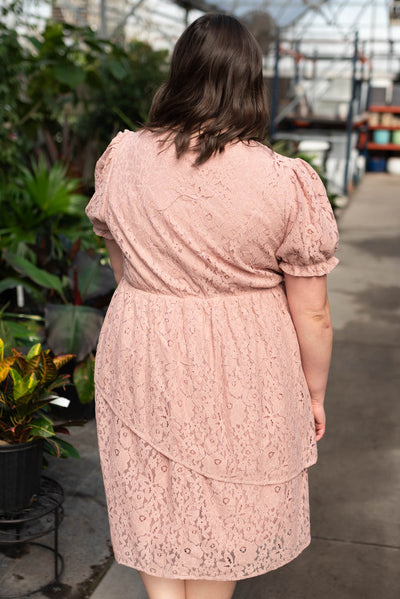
[(43, 517)]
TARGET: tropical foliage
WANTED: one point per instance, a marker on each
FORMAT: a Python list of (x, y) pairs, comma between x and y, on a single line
[(64, 93), (27, 387), (71, 326)]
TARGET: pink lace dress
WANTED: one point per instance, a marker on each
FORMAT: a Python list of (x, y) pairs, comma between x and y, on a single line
[(204, 418)]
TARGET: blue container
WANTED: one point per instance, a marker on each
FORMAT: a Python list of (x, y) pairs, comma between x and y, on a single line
[(376, 164), (381, 136)]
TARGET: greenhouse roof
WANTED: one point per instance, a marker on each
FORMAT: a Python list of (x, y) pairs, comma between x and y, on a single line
[(324, 22), (339, 17), (316, 23)]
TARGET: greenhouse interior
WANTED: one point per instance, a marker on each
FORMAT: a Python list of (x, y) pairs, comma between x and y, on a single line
[(332, 69), (75, 73)]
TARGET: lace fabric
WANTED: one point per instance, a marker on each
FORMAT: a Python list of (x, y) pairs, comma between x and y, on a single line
[(198, 360), (207, 383), (169, 521)]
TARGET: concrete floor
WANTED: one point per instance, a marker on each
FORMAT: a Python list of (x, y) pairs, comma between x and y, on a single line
[(83, 535), (355, 486)]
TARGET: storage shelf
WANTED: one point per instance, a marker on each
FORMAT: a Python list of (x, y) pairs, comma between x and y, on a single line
[(392, 109), (385, 127), (373, 146)]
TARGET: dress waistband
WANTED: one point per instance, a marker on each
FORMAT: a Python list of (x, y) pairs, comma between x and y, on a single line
[(220, 295)]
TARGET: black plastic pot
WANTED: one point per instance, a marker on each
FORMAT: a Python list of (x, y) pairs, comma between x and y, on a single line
[(20, 470), (76, 410)]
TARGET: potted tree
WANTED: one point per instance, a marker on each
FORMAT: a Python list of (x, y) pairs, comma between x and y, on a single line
[(27, 384)]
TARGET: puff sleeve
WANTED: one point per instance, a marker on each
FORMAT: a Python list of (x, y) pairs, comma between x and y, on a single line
[(311, 236), (97, 207)]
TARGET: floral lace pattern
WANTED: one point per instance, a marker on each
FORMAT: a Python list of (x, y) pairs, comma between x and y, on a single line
[(206, 382), (169, 521), (198, 358)]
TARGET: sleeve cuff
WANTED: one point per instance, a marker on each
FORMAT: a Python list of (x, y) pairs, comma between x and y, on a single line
[(309, 270)]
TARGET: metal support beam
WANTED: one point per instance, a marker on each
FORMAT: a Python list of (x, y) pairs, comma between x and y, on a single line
[(103, 19), (359, 109), (275, 87), (296, 62), (350, 116)]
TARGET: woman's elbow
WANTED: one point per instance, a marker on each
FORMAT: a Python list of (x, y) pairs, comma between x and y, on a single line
[(323, 319), (320, 314)]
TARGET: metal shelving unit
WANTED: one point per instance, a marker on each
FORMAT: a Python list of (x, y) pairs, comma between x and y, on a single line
[(320, 57)]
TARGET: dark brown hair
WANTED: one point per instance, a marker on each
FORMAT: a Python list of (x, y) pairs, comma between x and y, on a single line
[(215, 89)]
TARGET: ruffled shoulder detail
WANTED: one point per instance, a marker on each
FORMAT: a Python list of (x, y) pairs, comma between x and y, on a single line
[(96, 209), (311, 237)]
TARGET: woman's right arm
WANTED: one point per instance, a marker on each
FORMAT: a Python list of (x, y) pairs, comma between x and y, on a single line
[(309, 308)]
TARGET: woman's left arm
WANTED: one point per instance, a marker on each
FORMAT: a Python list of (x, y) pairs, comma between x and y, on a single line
[(116, 259)]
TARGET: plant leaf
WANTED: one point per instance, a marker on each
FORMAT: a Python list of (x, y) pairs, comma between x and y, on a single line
[(60, 448), (39, 276), (52, 191), (5, 366), (80, 422), (117, 68), (60, 361), (34, 351), (60, 429), (42, 427), (94, 279), (46, 368), (17, 333), (73, 329), (70, 74), (10, 283), (84, 380), (23, 386), (3, 400)]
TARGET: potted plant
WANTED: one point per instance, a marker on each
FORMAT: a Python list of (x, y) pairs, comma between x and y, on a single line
[(27, 384), (73, 324), (52, 267)]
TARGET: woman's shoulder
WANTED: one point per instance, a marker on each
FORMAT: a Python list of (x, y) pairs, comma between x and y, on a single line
[(147, 143), (266, 158), (129, 144), (264, 153), (129, 138)]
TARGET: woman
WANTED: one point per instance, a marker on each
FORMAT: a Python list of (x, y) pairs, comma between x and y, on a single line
[(213, 358)]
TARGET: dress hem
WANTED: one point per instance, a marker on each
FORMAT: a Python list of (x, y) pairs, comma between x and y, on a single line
[(222, 577)]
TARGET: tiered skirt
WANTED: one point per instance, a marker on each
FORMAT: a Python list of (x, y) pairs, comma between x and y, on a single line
[(170, 521)]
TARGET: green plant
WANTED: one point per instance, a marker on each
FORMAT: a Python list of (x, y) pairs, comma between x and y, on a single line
[(41, 209), (60, 93), (61, 101), (74, 328), (42, 258), (70, 326), (20, 330), (27, 384), (52, 193), (13, 67)]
